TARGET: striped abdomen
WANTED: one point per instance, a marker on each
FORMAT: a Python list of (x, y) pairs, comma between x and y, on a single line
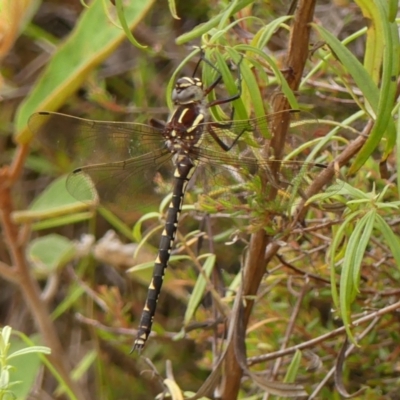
[(184, 169)]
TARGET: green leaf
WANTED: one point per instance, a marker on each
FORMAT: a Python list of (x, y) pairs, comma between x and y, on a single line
[(374, 45), (145, 240), (86, 362), (54, 202), (382, 63), (173, 389), (74, 293), (116, 222), (397, 150), (172, 9), (240, 111), (381, 100), (5, 338), (257, 103), (125, 26), (29, 364), (337, 241), (92, 41), (26, 365), (69, 219), (292, 370), (287, 91), (48, 253), (227, 13), (199, 288), (5, 379), (391, 238), (359, 249), (212, 23), (353, 66), (350, 274), (137, 228), (198, 293), (28, 350), (393, 6), (264, 35), (54, 197)]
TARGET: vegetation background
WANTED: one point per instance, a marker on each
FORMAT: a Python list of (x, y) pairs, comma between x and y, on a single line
[(319, 316)]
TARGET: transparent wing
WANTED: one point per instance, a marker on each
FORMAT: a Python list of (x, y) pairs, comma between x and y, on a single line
[(244, 161), (232, 181), (128, 185), (94, 142), (118, 163), (263, 127), (127, 164)]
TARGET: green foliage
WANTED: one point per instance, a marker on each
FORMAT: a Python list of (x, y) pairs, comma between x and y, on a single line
[(379, 99), (364, 213), (18, 367), (54, 207), (93, 40), (199, 289), (48, 253)]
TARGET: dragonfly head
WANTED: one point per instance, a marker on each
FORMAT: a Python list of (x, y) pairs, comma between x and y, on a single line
[(187, 90)]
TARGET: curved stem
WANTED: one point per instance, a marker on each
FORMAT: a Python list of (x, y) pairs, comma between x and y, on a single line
[(20, 275)]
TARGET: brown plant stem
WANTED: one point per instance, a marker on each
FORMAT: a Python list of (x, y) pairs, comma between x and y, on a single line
[(19, 273), (256, 262)]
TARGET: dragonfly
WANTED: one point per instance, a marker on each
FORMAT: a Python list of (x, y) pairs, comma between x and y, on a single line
[(120, 160)]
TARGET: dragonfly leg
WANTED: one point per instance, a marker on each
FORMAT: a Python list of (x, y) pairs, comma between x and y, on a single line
[(222, 125), (156, 123), (218, 80)]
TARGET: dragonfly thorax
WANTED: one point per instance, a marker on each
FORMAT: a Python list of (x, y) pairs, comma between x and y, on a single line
[(187, 90), (185, 127)]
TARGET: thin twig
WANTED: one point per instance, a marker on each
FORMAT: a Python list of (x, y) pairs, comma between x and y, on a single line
[(322, 338), (347, 353), (24, 279), (289, 330), (8, 272)]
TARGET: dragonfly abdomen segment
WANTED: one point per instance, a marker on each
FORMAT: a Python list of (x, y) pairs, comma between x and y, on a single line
[(183, 172)]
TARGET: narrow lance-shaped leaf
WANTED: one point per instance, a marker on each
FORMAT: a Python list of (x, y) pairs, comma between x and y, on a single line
[(93, 40)]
